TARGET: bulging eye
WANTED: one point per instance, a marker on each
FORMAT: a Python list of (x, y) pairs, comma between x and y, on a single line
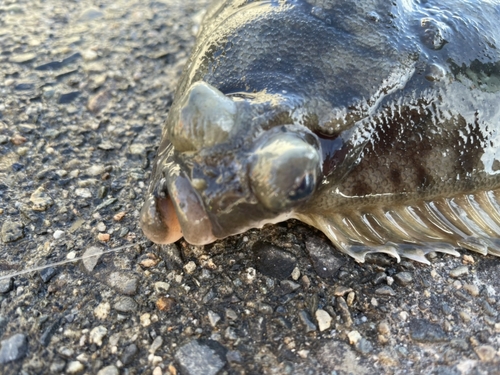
[(285, 169), (203, 117)]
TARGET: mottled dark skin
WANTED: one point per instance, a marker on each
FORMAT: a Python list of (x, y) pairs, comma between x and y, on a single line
[(388, 105)]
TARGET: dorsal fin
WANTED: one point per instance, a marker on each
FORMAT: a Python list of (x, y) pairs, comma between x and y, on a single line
[(471, 221)]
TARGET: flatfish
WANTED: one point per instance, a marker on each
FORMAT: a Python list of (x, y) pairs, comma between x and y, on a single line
[(377, 122)]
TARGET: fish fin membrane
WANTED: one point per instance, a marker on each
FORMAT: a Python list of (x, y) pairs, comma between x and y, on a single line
[(469, 221)]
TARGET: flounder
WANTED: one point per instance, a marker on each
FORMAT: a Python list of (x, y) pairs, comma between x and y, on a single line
[(377, 122)]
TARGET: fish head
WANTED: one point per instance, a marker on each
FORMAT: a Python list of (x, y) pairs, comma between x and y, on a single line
[(224, 168)]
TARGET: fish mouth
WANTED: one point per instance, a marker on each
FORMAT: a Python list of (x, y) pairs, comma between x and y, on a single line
[(173, 209), (190, 211)]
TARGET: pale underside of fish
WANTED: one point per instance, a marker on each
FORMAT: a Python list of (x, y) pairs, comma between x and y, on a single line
[(376, 122)]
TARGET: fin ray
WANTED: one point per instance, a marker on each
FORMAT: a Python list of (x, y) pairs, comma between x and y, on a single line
[(412, 231)]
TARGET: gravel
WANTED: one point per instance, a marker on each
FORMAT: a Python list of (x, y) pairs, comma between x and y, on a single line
[(273, 261), (11, 231), (421, 330), (13, 348), (201, 357)]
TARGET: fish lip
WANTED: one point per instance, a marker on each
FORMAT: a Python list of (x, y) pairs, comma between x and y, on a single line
[(170, 183), (191, 213), (190, 209)]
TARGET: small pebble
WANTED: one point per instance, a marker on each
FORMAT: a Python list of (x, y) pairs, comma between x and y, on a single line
[(249, 275), (89, 260), (384, 328), (89, 55), (350, 298), (465, 316), (324, 319), (273, 261), (422, 330), (447, 326), (75, 367), (119, 216), (295, 273), (102, 310), (48, 273), (129, 353), (108, 370), (83, 193), (288, 286), (354, 337), (488, 309), (13, 348), (103, 237), (325, 260), (151, 261), (58, 234), (6, 285), (125, 304), (230, 334), (201, 357), (382, 339), (11, 231), (165, 303), (472, 289), (22, 58), (17, 139), (364, 346), (231, 314), (457, 284), (95, 170), (385, 290), (213, 318), (57, 366), (101, 227), (308, 324), (387, 359), (161, 287), (389, 280), (145, 319), (486, 353), (468, 259), (459, 271), (123, 282), (303, 353), (97, 334), (343, 309), (403, 278), (157, 343), (189, 267), (41, 200), (155, 359)]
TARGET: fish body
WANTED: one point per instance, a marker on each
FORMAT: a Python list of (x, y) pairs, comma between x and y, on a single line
[(376, 122)]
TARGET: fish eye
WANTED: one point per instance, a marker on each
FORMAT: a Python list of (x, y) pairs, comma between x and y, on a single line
[(205, 118), (304, 188), (285, 170)]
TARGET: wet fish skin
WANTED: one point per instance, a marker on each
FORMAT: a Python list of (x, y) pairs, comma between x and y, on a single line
[(374, 121)]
